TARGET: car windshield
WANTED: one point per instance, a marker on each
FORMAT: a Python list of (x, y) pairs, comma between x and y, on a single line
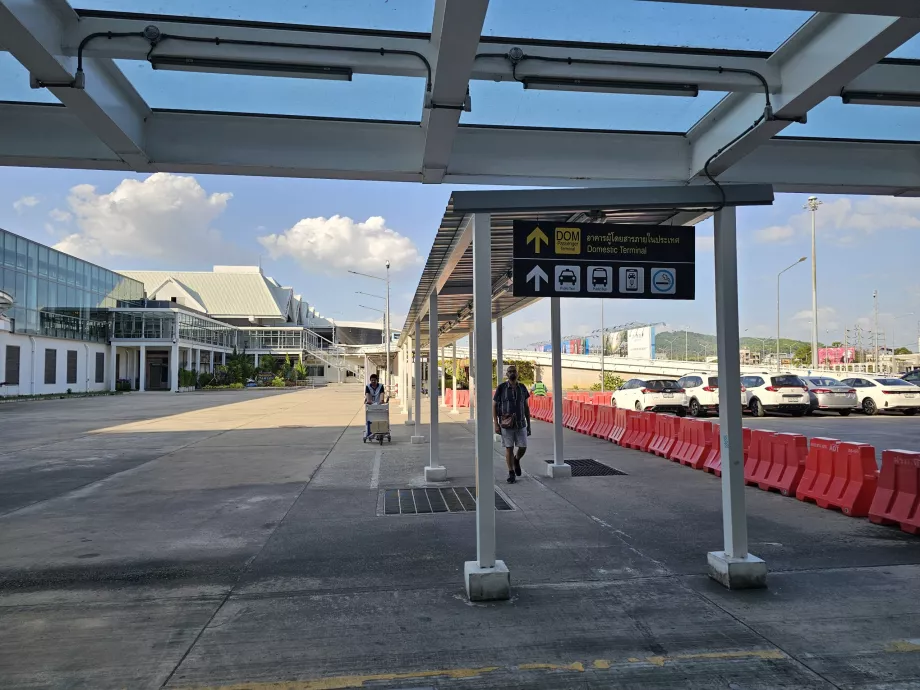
[(894, 382), (825, 382), (713, 382), (662, 385), (787, 381)]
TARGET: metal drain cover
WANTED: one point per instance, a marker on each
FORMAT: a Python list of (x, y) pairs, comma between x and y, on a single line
[(586, 467), (455, 499)]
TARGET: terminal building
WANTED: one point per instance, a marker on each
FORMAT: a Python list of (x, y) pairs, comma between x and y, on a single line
[(73, 325)]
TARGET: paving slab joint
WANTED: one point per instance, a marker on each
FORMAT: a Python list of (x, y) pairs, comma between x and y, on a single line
[(749, 572), (487, 584)]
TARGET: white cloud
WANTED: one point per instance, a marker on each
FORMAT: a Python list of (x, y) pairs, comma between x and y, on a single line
[(775, 233), (342, 243), (827, 320), (25, 202), (704, 243), (162, 215), (60, 216)]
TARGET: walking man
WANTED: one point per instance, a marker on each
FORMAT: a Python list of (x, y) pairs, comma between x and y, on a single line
[(511, 414)]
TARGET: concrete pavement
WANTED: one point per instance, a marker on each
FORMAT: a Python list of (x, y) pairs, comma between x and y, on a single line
[(233, 540)]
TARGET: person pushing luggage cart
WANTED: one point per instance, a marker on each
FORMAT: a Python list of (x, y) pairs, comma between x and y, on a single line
[(376, 412)]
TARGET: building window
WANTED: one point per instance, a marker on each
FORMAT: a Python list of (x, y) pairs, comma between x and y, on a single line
[(71, 366), (50, 367), (12, 365), (100, 367)]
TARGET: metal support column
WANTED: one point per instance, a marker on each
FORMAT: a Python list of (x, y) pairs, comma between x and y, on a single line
[(417, 436), (403, 385), (113, 369), (734, 567), (558, 468), (442, 393), (471, 382), (486, 578), (435, 472), (409, 381), (174, 368), (142, 374), (499, 364), (454, 381)]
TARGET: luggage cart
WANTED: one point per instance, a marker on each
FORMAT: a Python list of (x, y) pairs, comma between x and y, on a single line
[(379, 418)]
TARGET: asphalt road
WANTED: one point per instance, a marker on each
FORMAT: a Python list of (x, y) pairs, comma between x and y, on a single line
[(884, 431)]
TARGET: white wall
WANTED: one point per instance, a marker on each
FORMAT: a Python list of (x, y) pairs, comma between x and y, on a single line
[(33, 369)]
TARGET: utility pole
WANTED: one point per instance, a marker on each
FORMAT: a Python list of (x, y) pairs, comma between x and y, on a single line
[(875, 297), (812, 205), (686, 345), (603, 346)]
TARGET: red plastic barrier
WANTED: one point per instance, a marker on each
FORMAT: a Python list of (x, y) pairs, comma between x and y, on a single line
[(782, 466), (628, 439), (448, 396), (713, 461), (588, 418), (566, 411), (757, 450), (897, 499), (840, 475), (694, 454), (681, 447), (648, 431), (546, 408), (620, 422), (600, 421), (666, 428), (577, 412)]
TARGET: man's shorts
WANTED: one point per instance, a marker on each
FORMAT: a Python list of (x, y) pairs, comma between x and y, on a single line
[(514, 437)]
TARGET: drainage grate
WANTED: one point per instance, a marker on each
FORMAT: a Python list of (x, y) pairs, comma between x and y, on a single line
[(586, 467), (456, 499)]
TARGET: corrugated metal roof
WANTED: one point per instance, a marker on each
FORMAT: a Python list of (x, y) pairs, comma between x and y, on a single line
[(224, 294)]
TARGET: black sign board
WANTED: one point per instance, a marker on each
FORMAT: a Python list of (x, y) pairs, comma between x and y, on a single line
[(604, 260)]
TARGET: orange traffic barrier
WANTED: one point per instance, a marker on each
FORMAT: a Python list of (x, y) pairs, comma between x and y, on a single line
[(713, 461), (632, 429), (681, 446), (648, 431), (897, 499), (601, 422), (588, 418), (756, 450), (448, 396), (840, 475), (566, 412), (781, 463), (574, 414), (700, 441), (666, 427), (620, 421)]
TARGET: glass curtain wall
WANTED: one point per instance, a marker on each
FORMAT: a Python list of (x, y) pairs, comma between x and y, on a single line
[(272, 338), (57, 295)]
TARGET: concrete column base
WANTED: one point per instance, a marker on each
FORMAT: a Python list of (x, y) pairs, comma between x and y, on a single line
[(409, 422), (487, 584), (436, 474), (471, 421), (749, 572), (417, 440), (558, 471)]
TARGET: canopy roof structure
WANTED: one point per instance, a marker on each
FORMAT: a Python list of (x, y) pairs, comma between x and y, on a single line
[(807, 95), (449, 268)]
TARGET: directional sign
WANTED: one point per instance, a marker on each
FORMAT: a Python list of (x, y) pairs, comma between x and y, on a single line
[(603, 260)]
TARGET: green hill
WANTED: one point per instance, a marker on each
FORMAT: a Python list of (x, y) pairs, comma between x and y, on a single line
[(697, 346)]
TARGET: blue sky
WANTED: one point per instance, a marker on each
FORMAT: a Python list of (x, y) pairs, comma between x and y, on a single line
[(312, 231)]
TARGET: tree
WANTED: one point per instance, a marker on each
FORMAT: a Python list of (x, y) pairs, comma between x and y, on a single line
[(611, 382), (903, 351), (268, 364), (239, 369), (802, 353)]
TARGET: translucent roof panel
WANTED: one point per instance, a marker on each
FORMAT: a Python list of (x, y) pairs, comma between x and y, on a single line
[(641, 22), (402, 15), (14, 83), (509, 104), (837, 120), (368, 97), (909, 50)]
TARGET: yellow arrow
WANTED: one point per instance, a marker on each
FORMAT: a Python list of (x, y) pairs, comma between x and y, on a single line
[(536, 237)]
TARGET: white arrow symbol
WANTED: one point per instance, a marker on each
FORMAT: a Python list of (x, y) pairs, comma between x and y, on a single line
[(536, 275)]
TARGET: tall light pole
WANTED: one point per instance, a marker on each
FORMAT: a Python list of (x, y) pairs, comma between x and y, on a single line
[(386, 318), (778, 360), (603, 345), (812, 205), (875, 298)]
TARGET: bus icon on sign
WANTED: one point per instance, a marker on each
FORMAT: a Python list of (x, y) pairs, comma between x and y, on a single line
[(664, 281)]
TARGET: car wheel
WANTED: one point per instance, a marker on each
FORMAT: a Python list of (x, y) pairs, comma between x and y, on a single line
[(695, 409), (909, 413), (638, 406), (799, 413), (757, 408), (869, 406), (844, 413)]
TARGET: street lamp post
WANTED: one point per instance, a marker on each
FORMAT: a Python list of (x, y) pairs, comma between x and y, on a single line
[(778, 360), (603, 345), (386, 318), (812, 205)]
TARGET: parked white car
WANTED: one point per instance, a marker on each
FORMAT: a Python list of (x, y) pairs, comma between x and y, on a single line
[(655, 395), (702, 390), (775, 393), (885, 393)]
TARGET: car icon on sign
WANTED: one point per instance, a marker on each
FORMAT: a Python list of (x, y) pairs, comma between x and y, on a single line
[(599, 277), (568, 276)]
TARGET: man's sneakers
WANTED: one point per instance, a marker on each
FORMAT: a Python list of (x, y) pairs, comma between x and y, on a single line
[(517, 466), (511, 478)]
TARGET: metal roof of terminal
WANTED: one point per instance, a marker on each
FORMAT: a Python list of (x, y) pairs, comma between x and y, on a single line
[(450, 260)]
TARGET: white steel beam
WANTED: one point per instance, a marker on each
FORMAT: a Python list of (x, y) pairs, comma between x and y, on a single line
[(435, 471), (828, 52), (108, 106), (456, 31), (890, 8)]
